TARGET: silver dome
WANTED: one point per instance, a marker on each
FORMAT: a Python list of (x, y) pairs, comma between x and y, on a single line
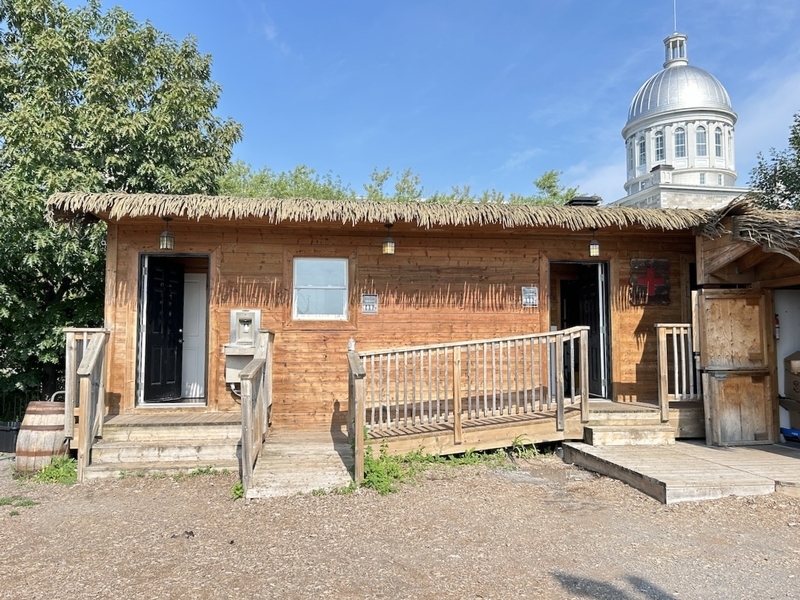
[(679, 87)]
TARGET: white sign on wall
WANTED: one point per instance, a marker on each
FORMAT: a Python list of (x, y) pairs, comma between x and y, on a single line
[(530, 297), (369, 304)]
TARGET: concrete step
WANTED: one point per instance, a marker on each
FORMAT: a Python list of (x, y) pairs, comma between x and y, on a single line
[(632, 435), (196, 451), (142, 469), (171, 431)]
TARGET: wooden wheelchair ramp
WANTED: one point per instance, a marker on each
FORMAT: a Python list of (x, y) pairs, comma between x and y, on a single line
[(687, 471), (299, 462)]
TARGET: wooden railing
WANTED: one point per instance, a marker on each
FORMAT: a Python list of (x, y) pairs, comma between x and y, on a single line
[(91, 396), (256, 380), (77, 343), (473, 381), (678, 371)]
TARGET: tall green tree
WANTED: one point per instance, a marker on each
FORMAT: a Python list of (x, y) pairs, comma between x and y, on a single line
[(775, 181), (89, 101)]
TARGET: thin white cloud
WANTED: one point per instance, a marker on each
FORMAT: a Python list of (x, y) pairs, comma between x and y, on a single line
[(518, 159), (766, 115), (605, 180), (260, 21)]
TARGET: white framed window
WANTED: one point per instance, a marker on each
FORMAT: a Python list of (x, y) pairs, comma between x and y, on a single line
[(320, 289), (702, 178), (700, 141), (680, 143), (659, 146), (718, 142), (720, 180), (642, 152), (631, 164)]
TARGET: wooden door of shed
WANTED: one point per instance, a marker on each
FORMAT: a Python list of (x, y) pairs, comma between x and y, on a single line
[(735, 348)]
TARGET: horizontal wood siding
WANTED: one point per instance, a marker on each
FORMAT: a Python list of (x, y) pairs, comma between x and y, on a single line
[(441, 286)]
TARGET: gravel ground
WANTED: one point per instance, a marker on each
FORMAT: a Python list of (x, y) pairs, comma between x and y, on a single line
[(540, 530)]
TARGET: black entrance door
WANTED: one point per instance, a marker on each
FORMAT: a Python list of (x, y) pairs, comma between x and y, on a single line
[(584, 301), (163, 330), (591, 307)]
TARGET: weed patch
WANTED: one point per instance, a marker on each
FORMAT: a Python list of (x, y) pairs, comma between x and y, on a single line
[(62, 470), (237, 491)]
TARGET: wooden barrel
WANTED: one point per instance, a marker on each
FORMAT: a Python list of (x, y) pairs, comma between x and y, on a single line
[(41, 436)]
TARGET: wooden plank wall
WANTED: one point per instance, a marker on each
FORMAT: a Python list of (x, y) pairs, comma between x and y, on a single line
[(442, 285)]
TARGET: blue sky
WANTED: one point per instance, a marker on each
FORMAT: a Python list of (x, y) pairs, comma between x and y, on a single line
[(483, 93)]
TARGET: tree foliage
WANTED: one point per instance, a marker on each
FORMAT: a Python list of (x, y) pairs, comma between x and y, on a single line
[(89, 101), (775, 181), (303, 182)]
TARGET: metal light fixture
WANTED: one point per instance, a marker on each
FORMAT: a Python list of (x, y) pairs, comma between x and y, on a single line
[(166, 241), (594, 245), (388, 243)]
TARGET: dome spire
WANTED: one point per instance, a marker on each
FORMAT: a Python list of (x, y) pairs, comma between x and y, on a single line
[(675, 46)]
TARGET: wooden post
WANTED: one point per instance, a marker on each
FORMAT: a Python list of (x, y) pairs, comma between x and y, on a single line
[(663, 375), (359, 393), (71, 385), (457, 433), (84, 423), (559, 382), (585, 375)]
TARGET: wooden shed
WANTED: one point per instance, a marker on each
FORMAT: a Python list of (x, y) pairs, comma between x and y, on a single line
[(482, 312)]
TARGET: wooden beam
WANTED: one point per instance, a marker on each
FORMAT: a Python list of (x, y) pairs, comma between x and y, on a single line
[(750, 261), (777, 283), (722, 257)]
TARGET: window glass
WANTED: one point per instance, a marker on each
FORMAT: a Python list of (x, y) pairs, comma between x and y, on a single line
[(659, 140), (642, 152), (680, 143), (700, 138), (320, 288), (630, 156), (702, 178), (718, 142)]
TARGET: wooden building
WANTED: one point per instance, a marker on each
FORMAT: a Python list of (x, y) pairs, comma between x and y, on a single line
[(182, 320)]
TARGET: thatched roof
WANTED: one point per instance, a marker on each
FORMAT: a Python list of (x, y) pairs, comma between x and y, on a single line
[(115, 206), (771, 229)]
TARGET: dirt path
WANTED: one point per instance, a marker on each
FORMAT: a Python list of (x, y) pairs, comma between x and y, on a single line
[(544, 530)]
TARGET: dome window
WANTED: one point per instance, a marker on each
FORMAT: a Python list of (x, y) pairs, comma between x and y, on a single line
[(718, 142), (702, 178), (631, 164), (700, 141), (642, 152), (680, 143), (659, 144)]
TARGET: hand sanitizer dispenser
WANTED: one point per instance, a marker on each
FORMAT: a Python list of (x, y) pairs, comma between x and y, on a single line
[(242, 346)]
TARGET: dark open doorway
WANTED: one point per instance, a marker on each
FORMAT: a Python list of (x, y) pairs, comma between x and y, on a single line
[(581, 298), (173, 309)]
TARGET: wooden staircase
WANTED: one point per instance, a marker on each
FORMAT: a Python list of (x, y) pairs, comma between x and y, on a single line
[(626, 424), (166, 444)]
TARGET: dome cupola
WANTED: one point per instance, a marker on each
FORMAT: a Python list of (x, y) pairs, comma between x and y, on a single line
[(679, 130)]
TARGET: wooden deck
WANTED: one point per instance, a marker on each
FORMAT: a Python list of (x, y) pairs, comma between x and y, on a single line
[(687, 471)]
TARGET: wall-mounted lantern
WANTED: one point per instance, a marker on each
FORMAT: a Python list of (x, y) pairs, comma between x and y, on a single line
[(388, 243), (166, 241), (594, 245)]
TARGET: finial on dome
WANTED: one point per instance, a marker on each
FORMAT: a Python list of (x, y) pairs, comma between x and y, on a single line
[(675, 46)]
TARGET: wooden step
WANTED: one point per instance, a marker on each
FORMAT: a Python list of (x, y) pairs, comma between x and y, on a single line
[(631, 435), (171, 431), (197, 451), (149, 469)]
